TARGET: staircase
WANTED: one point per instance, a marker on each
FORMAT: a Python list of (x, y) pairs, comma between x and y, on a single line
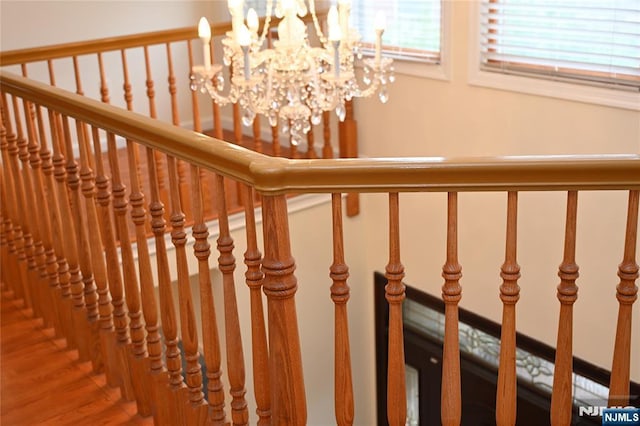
[(43, 382)]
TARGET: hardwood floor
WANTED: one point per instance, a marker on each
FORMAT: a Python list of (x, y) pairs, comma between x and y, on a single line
[(42, 383)]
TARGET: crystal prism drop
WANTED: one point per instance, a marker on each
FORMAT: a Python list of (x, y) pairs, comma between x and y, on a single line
[(273, 119), (316, 118), (383, 95), (341, 112), (247, 117)]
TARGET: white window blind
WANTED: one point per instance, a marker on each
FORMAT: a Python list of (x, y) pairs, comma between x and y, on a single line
[(413, 30), (593, 41)]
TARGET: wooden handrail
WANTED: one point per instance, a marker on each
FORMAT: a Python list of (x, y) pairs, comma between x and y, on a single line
[(65, 50), (273, 176)]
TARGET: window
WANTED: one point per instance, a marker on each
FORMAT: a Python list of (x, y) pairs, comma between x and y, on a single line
[(413, 30), (595, 42)]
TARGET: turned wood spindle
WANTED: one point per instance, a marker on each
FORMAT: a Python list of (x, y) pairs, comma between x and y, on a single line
[(72, 291), (135, 357), (43, 252), (339, 273), (181, 167), (254, 278), (48, 219), (235, 355), (90, 302), (106, 200), (451, 400), (395, 294), (169, 413), (288, 405), (13, 231), (561, 397), (30, 231), (509, 294), (188, 327), (627, 294), (64, 276), (205, 192), (210, 334), (327, 149), (96, 253), (114, 331)]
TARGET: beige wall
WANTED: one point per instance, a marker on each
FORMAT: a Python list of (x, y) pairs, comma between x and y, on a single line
[(428, 117), (424, 117)]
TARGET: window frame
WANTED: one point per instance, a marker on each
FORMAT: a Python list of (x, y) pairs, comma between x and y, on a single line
[(426, 68), (564, 89)]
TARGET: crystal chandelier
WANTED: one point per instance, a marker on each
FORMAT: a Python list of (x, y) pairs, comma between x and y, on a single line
[(291, 82)]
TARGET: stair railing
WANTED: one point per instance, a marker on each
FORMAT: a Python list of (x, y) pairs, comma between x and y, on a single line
[(146, 365)]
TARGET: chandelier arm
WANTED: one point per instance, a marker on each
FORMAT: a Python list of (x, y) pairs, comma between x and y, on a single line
[(267, 22), (316, 24), (221, 100)]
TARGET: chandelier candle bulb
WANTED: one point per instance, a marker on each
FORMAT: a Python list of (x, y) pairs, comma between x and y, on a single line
[(236, 9), (244, 40), (380, 24), (204, 33), (334, 24), (252, 20), (344, 9), (336, 58)]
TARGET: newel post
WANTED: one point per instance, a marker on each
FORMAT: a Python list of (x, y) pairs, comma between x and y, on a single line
[(285, 362)]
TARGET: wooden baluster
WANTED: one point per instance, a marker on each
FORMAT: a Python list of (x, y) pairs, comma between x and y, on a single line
[(135, 359), (327, 149), (237, 125), (147, 291), (395, 294), (158, 157), (10, 202), (48, 221), (5, 276), (189, 331), (218, 132), (257, 137), (30, 231), (197, 126), (114, 332), (275, 141), (181, 167), (164, 413), (339, 273), (168, 412), (105, 344), (254, 278), (235, 355), (210, 336), (561, 397), (109, 235), (288, 405), (311, 150), (32, 177), (79, 91), (275, 130), (626, 293), (25, 241), (509, 294), (451, 404), (349, 149), (63, 291), (72, 292), (293, 149), (84, 257), (14, 185)]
